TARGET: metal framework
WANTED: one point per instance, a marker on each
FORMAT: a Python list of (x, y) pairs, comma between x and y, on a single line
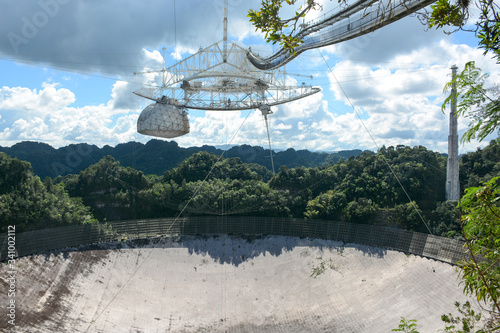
[(357, 19), (452, 165), (220, 77)]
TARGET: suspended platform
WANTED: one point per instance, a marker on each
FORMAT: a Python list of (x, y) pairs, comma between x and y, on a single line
[(219, 78)]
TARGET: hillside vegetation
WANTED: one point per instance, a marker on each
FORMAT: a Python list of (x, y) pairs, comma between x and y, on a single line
[(154, 157), (29, 204), (399, 186)]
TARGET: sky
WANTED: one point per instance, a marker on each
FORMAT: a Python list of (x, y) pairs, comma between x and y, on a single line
[(67, 76)]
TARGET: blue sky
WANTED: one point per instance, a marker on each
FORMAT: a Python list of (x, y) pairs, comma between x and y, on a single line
[(66, 76)]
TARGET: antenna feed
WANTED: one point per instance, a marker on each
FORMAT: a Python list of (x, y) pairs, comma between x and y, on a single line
[(265, 109)]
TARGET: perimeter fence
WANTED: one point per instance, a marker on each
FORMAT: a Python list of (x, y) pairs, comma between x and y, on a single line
[(34, 242)]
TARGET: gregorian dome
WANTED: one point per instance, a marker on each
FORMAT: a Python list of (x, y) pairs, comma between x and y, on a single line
[(163, 120)]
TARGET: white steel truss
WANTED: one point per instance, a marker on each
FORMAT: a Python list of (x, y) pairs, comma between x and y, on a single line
[(220, 77)]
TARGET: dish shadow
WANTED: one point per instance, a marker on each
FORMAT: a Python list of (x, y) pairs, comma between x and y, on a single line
[(225, 249)]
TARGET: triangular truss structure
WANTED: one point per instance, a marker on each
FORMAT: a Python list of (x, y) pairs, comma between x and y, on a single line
[(163, 120), (220, 77)]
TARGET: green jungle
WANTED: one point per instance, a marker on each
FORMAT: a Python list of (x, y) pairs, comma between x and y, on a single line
[(400, 187)]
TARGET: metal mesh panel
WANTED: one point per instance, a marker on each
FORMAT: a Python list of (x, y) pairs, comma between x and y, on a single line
[(444, 249), (418, 242), (441, 248), (56, 238)]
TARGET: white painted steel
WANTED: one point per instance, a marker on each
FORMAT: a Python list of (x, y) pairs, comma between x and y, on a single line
[(163, 120), (357, 19), (208, 80), (219, 77)]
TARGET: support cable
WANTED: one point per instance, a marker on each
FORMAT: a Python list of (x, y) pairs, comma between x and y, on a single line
[(375, 143), (266, 109), (168, 229), (175, 30), (269, 140)]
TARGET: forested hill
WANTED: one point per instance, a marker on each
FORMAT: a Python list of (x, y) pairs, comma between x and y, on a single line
[(154, 157), (367, 188)]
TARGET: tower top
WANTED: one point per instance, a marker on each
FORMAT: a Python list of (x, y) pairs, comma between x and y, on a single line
[(224, 39)]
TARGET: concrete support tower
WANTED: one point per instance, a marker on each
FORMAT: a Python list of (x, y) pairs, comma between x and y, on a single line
[(452, 181)]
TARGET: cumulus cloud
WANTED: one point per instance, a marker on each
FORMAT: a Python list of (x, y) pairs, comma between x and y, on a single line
[(282, 126), (122, 97), (385, 87), (48, 115), (27, 100), (402, 104)]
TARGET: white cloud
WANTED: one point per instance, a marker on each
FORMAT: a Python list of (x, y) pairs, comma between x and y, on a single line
[(180, 50), (301, 109), (122, 97), (401, 98), (47, 115), (33, 101), (393, 78), (282, 126)]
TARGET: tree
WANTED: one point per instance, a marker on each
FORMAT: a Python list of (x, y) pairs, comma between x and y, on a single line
[(480, 165), (464, 323), (110, 189), (361, 210), (30, 204), (446, 220), (406, 326), (481, 229), (444, 13), (481, 105), (328, 205), (267, 20), (408, 216), (205, 166)]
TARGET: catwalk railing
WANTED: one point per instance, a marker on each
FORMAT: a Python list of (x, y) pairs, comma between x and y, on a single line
[(34, 242), (360, 18)]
